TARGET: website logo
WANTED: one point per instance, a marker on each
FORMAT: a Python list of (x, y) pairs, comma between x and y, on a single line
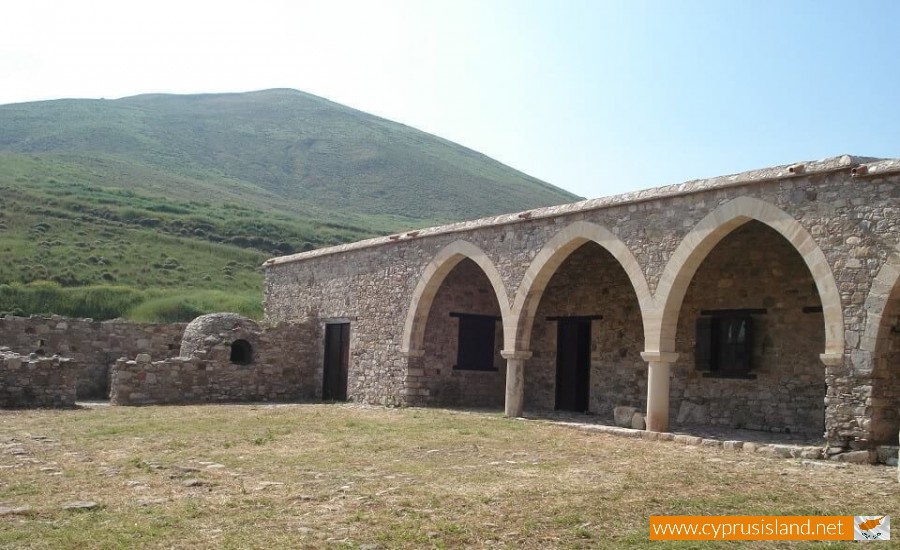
[(871, 527)]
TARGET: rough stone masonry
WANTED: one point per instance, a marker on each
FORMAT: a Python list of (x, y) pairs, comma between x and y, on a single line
[(94, 346), (765, 300), (35, 381), (224, 357)]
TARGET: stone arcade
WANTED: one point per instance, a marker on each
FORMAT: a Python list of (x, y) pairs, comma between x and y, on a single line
[(766, 300)]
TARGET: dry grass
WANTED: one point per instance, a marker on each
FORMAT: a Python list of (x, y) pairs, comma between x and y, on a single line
[(341, 476)]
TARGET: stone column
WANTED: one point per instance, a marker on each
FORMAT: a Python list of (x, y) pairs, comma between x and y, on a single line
[(658, 377), (414, 386), (515, 381)]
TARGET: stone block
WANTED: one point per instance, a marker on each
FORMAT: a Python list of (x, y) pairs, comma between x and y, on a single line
[(637, 421), (856, 457), (783, 451), (623, 416), (812, 453), (688, 439), (833, 450)]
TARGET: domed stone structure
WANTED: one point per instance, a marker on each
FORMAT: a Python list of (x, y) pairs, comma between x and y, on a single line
[(222, 337), (225, 357)]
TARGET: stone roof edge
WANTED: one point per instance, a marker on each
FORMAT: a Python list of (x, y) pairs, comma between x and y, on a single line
[(875, 167)]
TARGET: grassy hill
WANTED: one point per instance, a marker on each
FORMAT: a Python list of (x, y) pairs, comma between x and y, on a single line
[(176, 200)]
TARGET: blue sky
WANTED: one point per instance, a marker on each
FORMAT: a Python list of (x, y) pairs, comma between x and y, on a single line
[(596, 97)]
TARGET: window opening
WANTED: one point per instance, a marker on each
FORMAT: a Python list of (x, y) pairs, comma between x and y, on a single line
[(476, 343)]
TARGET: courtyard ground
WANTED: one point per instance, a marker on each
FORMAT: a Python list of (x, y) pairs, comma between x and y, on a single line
[(343, 476)]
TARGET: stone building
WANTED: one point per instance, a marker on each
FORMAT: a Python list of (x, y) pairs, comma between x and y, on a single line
[(765, 300)]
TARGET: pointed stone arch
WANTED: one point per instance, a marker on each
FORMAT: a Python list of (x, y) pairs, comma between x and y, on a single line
[(697, 244), (430, 282), (548, 260), (876, 357), (883, 286)]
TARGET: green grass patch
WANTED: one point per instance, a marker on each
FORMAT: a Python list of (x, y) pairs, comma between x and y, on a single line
[(104, 302), (185, 306), (44, 297)]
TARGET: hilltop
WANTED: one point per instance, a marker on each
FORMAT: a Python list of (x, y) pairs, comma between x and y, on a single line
[(189, 192)]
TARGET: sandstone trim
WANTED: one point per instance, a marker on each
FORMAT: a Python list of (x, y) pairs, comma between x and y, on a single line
[(697, 244), (548, 260), (431, 280)]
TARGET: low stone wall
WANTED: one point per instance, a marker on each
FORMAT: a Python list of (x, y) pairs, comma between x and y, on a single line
[(93, 345), (278, 367), (34, 381), (191, 380)]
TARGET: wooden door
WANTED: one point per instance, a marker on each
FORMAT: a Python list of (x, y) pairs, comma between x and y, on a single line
[(573, 364), (337, 361)]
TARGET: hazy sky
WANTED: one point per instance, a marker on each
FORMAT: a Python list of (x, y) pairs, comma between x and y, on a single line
[(596, 97)]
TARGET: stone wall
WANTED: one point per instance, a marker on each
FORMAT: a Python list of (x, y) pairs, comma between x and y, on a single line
[(435, 380), (34, 381), (755, 268), (93, 345), (885, 400), (845, 228), (590, 282), (279, 368), (370, 292)]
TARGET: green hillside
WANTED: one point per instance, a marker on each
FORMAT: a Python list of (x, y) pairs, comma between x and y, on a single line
[(169, 199)]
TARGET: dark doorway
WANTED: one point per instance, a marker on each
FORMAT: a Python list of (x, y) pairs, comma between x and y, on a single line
[(337, 360), (573, 364)]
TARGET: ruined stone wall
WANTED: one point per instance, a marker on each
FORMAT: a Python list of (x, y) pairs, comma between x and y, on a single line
[(279, 371), (755, 268), (93, 345), (590, 282), (437, 382), (33, 381)]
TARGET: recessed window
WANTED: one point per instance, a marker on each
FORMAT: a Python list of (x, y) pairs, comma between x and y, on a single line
[(475, 347), (241, 352), (725, 345)]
